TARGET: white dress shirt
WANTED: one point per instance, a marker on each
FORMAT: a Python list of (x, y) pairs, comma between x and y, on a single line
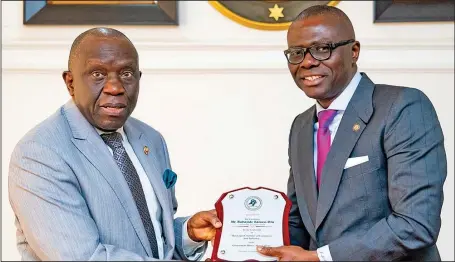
[(152, 202), (340, 103)]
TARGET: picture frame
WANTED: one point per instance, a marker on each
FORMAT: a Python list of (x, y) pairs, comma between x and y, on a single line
[(413, 11), (99, 12)]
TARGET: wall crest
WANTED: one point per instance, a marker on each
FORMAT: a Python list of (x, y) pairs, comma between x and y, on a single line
[(265, 14)]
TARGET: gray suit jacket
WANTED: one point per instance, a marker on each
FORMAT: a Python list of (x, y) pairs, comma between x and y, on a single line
[(72, 202), (387, 208)]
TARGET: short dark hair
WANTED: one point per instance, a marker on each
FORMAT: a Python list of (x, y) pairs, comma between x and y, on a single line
[(96, 32)]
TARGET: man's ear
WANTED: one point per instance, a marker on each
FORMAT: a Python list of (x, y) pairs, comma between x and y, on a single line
[(68, 78), (355, 52)]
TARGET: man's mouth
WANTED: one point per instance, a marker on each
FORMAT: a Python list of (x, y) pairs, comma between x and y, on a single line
[(313, 80), (113, 109)]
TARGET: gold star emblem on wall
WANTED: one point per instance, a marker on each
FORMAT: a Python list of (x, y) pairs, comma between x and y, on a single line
[(276, 12)]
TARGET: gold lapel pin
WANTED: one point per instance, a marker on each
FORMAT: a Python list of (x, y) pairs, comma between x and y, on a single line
[(146, 150), (356, 127)]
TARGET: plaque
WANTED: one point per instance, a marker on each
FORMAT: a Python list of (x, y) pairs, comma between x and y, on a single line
[(250, 217)]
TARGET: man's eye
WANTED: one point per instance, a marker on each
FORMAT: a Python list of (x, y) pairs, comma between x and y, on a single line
[(97, 75), (322, 48), (127, 74), (296, 53)]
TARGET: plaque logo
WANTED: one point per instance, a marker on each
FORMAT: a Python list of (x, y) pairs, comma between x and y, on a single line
[(253, 203)]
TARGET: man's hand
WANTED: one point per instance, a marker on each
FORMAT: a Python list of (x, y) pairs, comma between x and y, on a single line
[(289, 253), (202, 226)]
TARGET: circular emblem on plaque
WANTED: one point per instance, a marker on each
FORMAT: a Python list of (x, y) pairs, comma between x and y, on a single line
[(253, 203), (265, 14)]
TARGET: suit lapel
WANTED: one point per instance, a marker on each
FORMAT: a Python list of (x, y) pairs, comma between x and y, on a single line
[(357, 114), (305, 171), (138, 141), (88, 141)]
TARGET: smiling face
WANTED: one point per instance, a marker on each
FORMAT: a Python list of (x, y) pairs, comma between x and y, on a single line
[(323, 80), (104, 81)]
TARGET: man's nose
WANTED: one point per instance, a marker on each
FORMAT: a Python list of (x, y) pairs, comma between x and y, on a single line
[(114, 86)]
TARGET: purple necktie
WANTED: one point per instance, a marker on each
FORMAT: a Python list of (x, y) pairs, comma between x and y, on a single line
[(323, 138)]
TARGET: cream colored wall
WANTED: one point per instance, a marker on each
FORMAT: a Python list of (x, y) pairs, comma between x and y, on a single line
[(221, 95)]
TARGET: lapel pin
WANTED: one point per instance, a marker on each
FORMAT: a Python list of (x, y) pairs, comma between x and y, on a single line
[(356, 127), (146, 150)]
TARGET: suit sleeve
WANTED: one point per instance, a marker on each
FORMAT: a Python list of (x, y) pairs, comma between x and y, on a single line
[(417, 168), (51, 211), (185, 249), (298, 234)]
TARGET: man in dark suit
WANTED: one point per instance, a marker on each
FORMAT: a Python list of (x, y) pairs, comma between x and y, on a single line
[(367, 161)]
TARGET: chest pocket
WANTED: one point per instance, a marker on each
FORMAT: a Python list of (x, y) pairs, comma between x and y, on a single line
[(374, 163)]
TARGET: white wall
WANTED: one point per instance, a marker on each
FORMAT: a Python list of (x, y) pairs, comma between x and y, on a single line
[(221, 94)]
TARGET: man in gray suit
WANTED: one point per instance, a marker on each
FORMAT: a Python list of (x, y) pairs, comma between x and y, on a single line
[(93, 183), (367, 161)]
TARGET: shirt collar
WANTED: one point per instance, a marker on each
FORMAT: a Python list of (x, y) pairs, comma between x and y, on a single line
[(341, 102)]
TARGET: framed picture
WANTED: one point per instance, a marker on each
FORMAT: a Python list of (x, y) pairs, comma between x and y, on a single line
[(103, 12), (413, 10)]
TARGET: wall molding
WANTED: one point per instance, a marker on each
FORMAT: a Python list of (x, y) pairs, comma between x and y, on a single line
[(151, 44), (376, 55), (221, 60), (207, 71)]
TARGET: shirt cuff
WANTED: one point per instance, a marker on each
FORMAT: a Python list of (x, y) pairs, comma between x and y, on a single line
[(189, 246), (324, 253)]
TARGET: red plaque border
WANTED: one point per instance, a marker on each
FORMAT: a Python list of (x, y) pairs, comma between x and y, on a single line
[(220, 214)]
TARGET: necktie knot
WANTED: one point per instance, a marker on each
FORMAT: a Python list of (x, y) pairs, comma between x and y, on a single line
[(113, 140), (325, 117)]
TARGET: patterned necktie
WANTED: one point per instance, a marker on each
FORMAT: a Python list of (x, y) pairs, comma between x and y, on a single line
[(323, 139), (114, 141)]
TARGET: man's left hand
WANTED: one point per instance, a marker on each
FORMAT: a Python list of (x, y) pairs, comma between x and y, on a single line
[(289, 253), (202, 226)]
